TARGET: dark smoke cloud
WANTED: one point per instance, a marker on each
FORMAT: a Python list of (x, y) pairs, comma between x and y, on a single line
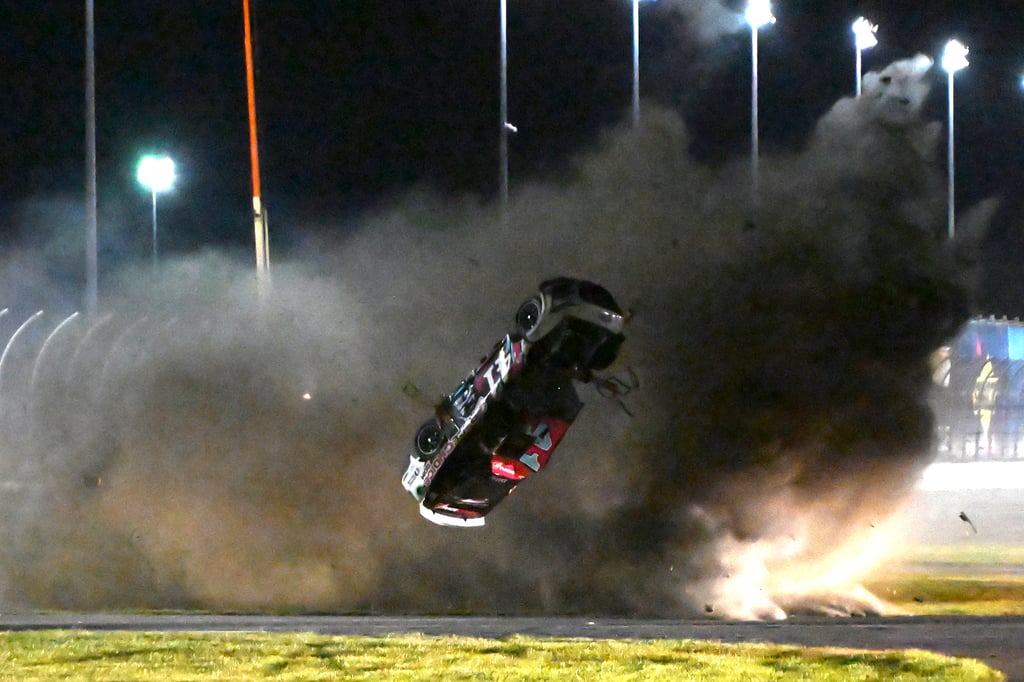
[(168, 457)]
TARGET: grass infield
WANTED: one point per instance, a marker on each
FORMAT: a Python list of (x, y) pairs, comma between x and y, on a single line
[(954, 580), (926, 581), (169, 657)]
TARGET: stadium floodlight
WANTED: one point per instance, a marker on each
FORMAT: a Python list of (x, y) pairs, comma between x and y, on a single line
[(863, 38), (758, 14), (156, 173), (954, 58)]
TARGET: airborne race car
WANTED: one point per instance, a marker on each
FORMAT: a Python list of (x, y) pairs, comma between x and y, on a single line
[(504, 420)]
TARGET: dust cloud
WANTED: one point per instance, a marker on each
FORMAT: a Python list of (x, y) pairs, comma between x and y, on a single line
[(199, 444), (706, 20)]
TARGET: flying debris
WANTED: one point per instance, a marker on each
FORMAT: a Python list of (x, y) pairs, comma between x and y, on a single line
[(504, 420), (966, 519)]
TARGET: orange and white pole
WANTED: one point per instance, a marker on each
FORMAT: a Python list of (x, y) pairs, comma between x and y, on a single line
[(262, 237)]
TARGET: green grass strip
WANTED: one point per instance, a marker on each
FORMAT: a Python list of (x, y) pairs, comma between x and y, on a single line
[(966, 554), (961, 595), (170, 657)]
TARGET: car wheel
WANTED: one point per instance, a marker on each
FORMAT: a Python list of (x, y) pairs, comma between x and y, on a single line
[(528, 316), (428, 440)]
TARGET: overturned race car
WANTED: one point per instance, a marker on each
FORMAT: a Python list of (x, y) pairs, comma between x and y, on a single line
[(503, 421)]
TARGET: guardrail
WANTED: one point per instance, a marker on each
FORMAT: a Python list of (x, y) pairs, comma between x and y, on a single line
[(995, 436), (55, 365)]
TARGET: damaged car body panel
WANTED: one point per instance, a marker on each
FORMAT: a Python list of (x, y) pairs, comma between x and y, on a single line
[(504, 420)]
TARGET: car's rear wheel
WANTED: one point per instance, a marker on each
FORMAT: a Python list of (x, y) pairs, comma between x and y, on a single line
[(428, 440)]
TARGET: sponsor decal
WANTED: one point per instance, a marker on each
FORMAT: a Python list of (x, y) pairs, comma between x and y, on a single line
[(547, 432), (509, 357)]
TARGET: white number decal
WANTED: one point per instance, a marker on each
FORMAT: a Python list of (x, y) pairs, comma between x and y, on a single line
[(498, 370), (542, 436)]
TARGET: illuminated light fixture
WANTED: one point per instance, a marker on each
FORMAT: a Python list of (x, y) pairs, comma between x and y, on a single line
[(954, 58), (864, 33), (156, 173), (759, 13), (864, 39)]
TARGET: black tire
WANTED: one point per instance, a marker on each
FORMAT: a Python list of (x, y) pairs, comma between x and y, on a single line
[(428, 440), (528, 316)]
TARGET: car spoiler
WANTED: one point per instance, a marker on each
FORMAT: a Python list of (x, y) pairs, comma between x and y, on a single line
[(450, 521)]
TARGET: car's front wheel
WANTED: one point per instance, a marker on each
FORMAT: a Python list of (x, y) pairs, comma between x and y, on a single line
[(428, 440)]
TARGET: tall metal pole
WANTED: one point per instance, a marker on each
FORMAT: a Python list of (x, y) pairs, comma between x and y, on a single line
[(154, 229), (863, 39), (156, 173), (636, 62), (857, 89), (504, 125), (757, 14), (951, 213), (754, 171), (91, 269), (262, 237), (954, 58)]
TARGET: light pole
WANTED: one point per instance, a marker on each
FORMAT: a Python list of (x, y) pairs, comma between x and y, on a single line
[(954, 58), (758, 14), (91, 268), (863, 38), (504, 126), (261, 231), (636, 62), (156, 173)]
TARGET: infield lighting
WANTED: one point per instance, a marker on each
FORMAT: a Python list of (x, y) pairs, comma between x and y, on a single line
[(954, 58), (156, 173), (864, 39), (758, 14)]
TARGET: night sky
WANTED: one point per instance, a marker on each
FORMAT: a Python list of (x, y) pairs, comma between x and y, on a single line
[(360, 101)]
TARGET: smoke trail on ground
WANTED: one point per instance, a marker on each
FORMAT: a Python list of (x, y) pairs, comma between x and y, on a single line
[(205, 446)]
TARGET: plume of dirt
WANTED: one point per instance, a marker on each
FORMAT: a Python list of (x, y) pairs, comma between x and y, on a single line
[(225, 449)]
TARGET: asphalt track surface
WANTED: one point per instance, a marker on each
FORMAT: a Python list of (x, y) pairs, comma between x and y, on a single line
[(995, 641)]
